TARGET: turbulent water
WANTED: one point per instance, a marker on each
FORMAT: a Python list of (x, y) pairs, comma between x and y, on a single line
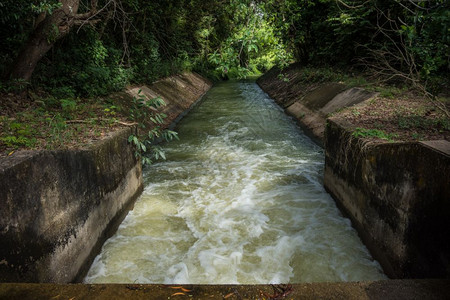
[(239, 200)]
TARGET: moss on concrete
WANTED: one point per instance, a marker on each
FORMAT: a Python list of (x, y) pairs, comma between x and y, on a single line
[(57, 206)]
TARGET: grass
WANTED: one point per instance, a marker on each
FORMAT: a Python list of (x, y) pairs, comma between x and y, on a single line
[(406, 119), (374, 133)]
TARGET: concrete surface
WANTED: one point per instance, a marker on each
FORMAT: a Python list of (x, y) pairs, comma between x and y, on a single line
[(57, 207), (397, 196), (179, 92), (383, 290), (310, 105)]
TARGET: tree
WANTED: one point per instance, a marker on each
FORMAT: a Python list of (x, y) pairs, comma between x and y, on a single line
[(49, 27), (251, 45)]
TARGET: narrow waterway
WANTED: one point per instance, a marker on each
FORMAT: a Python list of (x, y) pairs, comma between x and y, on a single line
[(239, 200)]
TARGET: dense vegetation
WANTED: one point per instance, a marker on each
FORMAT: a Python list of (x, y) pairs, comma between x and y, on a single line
[(123, 42), (401, 40), (105, 44), (67, 50)]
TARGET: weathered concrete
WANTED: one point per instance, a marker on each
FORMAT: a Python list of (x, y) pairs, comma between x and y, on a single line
[(322, 95), (179, 92), (398, 197), (312, 121), (383, 290), (346, 98), (310, 105), (56, 207), (395, 193)]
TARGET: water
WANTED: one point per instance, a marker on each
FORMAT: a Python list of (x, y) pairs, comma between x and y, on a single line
[(239, 200)]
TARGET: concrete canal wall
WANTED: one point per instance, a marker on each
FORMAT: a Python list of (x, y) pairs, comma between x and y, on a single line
[(58, 207), (396, 194), (310, 105), (398, 198)]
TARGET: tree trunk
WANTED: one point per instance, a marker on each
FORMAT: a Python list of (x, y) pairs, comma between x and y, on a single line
[(44, 36)]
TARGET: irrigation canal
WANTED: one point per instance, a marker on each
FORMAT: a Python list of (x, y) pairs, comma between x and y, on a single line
[(238, 200)]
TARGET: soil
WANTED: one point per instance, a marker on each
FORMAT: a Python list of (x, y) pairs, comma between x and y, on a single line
[(407, 119), (402, 114), (52, 128), (387, 289)]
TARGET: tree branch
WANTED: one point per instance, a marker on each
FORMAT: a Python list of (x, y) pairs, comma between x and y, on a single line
[(87, 18)]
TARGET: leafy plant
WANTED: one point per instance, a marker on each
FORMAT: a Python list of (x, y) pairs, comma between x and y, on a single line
[(45, 6), (418, 121), (18, 134), (13, 85), (142, 110)]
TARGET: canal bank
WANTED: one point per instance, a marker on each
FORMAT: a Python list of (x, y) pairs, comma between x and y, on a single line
[(397, 194), (58, 207)]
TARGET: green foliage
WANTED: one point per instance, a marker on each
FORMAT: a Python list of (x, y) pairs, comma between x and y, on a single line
[(142, 111), (18, 134), (428, 39), (16, 22), (251, 46), (83, 66), (57, 123), (14, 85), (373, 133), (232, 38), (63, 92), (406, 41), (68, 104), (45, 6), (419, 122), (18, 141)]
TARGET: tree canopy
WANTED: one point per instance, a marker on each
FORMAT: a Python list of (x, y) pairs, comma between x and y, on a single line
[(87, 48)]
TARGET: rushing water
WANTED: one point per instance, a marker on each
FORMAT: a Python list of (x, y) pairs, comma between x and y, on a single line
[(239, 200)]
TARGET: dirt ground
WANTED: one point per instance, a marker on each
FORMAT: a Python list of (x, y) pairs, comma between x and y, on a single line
[(28, 124), (402, 119), (397, 113)]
